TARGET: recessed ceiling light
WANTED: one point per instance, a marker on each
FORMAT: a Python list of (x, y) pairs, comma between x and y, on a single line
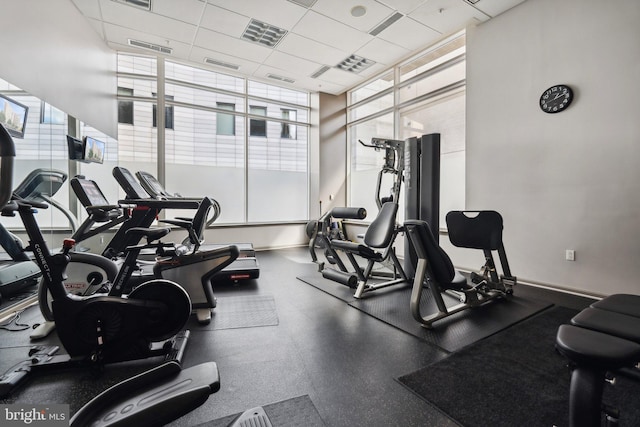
[(355, 64), (358, 11), (263, 33)]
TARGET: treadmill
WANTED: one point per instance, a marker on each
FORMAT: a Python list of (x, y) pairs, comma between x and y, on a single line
[(156, 198)]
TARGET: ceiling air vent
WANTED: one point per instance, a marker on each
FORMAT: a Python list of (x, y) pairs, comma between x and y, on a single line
[(386, 24), (221, 63), (355, 64), (320, 72), (142, 4), (263, 33), (280, 78), (150, 46), (304, 3)]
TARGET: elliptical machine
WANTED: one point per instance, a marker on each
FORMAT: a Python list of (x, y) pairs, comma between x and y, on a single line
[(97, 329)]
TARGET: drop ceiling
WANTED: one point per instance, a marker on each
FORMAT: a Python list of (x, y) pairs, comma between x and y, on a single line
[(287, 42)]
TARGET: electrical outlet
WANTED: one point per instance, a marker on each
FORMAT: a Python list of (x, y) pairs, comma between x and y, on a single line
[(570, 255)]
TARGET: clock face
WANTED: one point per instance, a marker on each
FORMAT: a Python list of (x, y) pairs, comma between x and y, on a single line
[(556, 99)]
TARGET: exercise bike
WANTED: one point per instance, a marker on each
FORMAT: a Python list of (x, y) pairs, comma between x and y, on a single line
[(89, 273), (98, 329)]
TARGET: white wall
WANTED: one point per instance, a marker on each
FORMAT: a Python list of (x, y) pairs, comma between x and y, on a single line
[(562, 181), (49, 50)]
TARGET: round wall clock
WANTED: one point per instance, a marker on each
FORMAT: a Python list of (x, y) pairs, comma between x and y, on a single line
[(556, 99)]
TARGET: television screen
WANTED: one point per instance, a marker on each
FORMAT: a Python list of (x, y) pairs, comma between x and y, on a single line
[(93, 150), (13, 116), (76, 148)]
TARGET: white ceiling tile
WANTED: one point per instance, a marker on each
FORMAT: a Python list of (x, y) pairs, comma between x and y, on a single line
[(372, 71), (382, 51), (264, 70), (409, 34), (340, 10), (146, 22), (330, 32), (281, 13), (198, 55), (224, 21), (188, 11), (310, 49), (119, 35), (447, 16), (403, 6), (324, 35), (338, 76), (287, 62), (230, 45)]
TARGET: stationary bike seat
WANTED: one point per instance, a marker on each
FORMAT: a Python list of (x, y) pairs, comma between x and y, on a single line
[(150, 233)]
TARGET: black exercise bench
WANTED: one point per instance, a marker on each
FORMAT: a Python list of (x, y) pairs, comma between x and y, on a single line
[(602, 338)]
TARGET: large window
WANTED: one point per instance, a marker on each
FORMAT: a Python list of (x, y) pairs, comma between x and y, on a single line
[(238, 156), (207, 149), (423, 95)]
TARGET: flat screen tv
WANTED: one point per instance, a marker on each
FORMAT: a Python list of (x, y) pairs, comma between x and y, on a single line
[(76, 148), (13, 116), (93, 150)]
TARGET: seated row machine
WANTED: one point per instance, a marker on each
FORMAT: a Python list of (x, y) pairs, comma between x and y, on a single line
[(377, 249), (602, 339)]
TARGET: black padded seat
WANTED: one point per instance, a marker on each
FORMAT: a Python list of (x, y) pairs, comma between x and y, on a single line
[(150, 233), (380, 232), (444, 274), (379, 235), (609, 322), (595, 349), (620, 303)]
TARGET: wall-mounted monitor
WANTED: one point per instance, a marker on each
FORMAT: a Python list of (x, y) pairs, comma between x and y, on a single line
[(13, 116), (93, 150), (76, 148)]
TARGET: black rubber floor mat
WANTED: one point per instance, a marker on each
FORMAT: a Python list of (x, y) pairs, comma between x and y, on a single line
[(245, 311), (456, 331), (391, 305), (515, 378), (332, 288), (299, 411)]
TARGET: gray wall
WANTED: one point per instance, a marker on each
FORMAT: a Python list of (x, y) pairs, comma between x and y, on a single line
[(568, 180), (49, 50), (333, 153)]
